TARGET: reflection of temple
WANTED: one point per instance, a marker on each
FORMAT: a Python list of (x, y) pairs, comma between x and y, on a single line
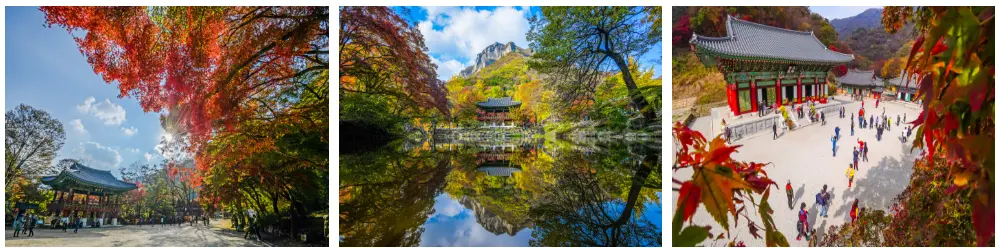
[(491, 221), (87, 193), (495, 161)]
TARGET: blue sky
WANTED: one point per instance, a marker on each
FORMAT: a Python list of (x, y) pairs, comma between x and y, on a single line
[(838, 12), (45, 69), (455, 35)]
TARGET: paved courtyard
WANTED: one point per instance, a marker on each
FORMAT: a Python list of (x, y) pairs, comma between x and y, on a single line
[(133, 236), (804, 157)]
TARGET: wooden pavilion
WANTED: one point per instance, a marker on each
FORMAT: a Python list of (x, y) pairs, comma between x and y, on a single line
[(767, 64), (83, 192), (494, 112)]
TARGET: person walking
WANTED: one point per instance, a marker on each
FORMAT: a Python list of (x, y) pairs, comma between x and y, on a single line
[(790, 195), (162, 221), (866, 151), (822, 200), (834, 140), (802, 225), (855, 155), (18, 221), (32, 219), (854, 213), (774, 129), (77, 224), (837, 131), (852, 128), (850, 172)]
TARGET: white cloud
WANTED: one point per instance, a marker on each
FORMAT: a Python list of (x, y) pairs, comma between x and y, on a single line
[(466, 31), (112, 114), (446, 69), (129, 131), (149, 157), (78, 126), (101, 157), (134, 150)]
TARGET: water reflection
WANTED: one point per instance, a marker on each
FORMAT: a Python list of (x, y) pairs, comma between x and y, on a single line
[(508, 193)]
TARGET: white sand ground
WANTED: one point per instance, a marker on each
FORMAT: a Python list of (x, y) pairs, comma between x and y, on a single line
[(150, 236), (804, 157)]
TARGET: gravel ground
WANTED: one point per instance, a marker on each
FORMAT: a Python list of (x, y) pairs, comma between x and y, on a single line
[(804, 157), (133, 236)]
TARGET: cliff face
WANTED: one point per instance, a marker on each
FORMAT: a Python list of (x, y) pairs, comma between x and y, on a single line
[(491, 221), (491, 54)]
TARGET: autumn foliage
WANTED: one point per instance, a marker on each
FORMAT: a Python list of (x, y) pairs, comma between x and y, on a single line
[(381, 53), (722, 185), (952, 65), (242, 89)]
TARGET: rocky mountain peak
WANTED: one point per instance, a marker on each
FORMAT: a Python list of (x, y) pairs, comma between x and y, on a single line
[(491, 54)]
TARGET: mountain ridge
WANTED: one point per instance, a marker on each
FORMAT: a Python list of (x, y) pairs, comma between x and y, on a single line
[(491, 54)]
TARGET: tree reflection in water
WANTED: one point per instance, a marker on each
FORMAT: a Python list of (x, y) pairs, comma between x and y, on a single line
[(566, 195)]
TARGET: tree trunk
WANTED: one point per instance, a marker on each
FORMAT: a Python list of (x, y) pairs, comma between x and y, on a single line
[(632, 89)]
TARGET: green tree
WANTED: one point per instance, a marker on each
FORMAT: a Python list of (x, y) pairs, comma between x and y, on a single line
[(579, 44), (33, 137)]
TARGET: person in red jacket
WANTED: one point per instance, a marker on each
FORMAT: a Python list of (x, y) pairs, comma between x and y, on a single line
[(802, 225), (854, 213), (790, 195)]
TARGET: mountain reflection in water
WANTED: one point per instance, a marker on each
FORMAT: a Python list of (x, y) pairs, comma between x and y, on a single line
[(510, 193)]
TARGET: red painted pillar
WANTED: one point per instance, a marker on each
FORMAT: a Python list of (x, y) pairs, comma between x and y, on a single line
[(799, 90), (779, 92), (733, 98), (754, 95)]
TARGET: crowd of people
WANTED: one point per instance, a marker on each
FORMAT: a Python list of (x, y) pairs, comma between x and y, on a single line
[(24, 222), (880, 124)]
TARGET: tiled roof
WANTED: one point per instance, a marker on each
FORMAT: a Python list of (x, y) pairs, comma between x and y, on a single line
[(499, 102), (901, 81), (859, 78), (87, 175), (749, 39)]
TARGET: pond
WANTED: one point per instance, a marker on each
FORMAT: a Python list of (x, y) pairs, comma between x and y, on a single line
[(502, 193)]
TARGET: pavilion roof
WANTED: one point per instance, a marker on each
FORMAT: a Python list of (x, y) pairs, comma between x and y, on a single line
[(498, 102), (757, 41), (859, 78), (902, 82), (85, 176)]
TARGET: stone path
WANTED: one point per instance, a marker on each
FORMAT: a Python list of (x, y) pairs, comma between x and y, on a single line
[(804, 157), (156, 236)]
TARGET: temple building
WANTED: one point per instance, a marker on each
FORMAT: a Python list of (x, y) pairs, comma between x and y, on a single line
[(93, 195), (860, 83), (903, 89), (767, 64), (494, 112)]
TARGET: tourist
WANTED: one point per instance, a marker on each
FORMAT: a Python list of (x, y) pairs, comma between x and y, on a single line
[(834, 140), (801, 221), (866, 151), (822, 118), (790, 195), (826, 197), (898, 121), (31, 225), (854, 213), (837, 131), (905, 117), (852, 128), (18, 220), (162, 221), (774, 129), (850, 172), (878, 103), (77, 224), (65, 223), (855, 155), (812, 240)]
